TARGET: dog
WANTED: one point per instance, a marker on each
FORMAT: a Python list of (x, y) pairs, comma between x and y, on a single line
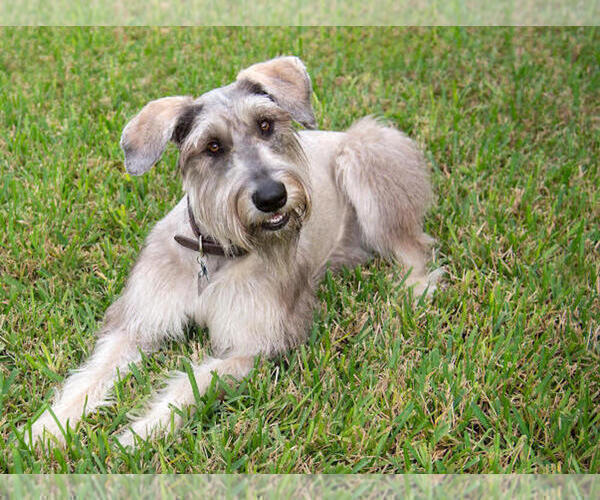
[(268, 208)]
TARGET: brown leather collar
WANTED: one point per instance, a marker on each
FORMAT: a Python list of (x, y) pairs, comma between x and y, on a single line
[(209, 245)]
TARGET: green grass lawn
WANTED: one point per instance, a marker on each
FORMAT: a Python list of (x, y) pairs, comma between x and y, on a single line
[(500, 373)]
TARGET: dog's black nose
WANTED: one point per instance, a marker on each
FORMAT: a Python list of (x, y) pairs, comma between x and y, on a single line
[(270, 196)]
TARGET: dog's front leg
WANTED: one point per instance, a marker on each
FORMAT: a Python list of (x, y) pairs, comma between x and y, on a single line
[(157, 299), (179, 393), (87, 387)]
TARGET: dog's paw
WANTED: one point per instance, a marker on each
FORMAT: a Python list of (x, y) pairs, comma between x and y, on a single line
[(126, 439), (135, 434), (140, 428), (43, 429), (425, 286)]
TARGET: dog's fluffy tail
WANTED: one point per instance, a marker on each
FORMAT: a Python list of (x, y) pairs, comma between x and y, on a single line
[(386, 178)]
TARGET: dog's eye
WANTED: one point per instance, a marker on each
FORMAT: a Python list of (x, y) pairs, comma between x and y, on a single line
[(265, 126), (214, 148)]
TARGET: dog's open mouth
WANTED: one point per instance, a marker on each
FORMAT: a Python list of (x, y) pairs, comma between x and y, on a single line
[(276, 221)]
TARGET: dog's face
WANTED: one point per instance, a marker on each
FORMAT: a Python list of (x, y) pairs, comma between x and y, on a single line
[(241, 163), (242, 166)]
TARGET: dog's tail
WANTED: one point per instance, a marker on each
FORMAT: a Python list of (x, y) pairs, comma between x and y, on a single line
[(386, 178)]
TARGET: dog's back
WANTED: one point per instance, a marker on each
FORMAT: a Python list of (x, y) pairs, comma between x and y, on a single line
[(372, 191)]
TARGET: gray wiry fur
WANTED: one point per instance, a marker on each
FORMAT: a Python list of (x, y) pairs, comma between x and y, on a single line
[(349, 195)]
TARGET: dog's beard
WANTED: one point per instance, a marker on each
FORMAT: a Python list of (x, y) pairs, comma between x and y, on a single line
[(275, 246), (216, 213), (278, 247)]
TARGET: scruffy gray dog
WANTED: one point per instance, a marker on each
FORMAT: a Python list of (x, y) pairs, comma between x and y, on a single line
[(267, 209)]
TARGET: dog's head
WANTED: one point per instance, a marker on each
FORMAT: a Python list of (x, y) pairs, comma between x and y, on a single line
[(242, 165)]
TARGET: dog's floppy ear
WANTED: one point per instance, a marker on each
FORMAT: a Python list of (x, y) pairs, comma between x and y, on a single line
[(286, 80), (145, 137)]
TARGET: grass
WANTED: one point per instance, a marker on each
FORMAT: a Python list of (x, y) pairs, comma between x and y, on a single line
[(499, 374)]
